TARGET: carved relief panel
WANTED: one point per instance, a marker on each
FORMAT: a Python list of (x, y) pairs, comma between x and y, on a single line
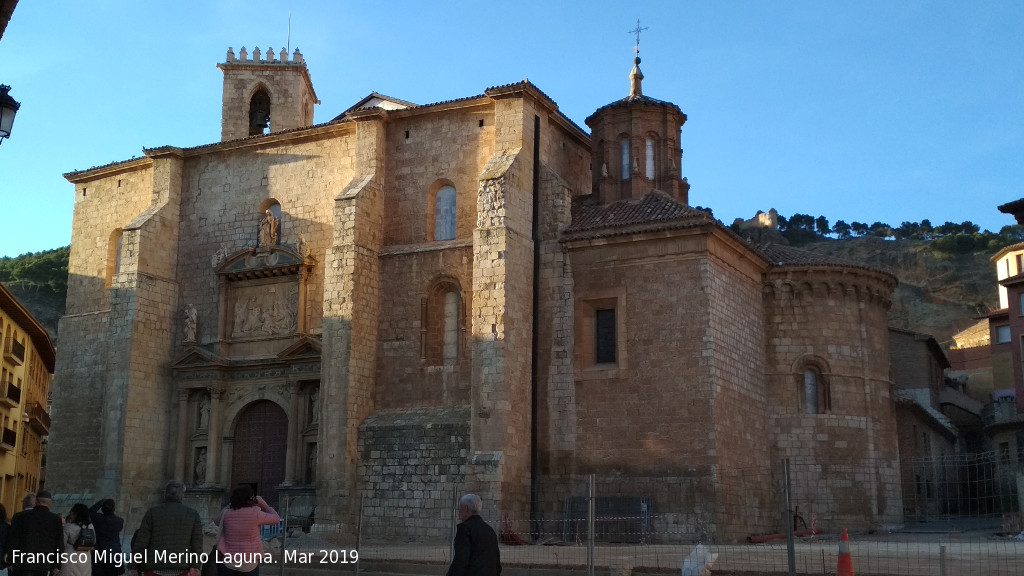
[(264, 310)]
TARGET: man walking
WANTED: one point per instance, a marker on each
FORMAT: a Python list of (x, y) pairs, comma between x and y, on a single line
[(36, 539), (476, 544), (171, 536)]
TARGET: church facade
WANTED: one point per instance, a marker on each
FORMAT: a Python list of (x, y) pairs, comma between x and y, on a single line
[(473, 295)]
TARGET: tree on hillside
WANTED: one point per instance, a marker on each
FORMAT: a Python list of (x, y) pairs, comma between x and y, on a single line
[(821, 226), (841, 229), (42, 269), (908, 230), (882, 230), (859, 228)]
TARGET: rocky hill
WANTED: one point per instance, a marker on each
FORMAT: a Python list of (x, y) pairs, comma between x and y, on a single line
[(938, 294)]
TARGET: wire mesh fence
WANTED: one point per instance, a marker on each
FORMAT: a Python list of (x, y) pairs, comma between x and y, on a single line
[(953, 516)]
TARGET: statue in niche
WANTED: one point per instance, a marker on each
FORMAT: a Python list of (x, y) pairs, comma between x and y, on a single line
[(604, 169), (191, 317), (311, 464), (199, 470), (314, 405), (203, 419), (268, 230), (301, 248)]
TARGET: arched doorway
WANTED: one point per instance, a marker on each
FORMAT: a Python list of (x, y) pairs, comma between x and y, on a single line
[(260, 445)]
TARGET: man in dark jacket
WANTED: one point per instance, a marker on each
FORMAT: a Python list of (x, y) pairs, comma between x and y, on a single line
[(476, 544), (36, 539), (170, 536), (108, 536)]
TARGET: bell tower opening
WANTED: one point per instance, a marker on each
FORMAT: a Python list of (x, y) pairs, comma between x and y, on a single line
[(259, 113)]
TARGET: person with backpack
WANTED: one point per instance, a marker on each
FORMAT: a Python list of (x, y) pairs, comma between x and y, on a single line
[(79, 542)]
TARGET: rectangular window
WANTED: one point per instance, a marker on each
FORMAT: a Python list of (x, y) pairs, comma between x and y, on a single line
[(604, 336), (1022, 304), (1002, 334)]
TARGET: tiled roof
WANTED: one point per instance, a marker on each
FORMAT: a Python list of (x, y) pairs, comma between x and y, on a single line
[(782, 255), (654, 211), (918, 398), (634, 100)]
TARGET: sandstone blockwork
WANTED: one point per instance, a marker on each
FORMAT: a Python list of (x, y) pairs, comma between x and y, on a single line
[(474, 295)]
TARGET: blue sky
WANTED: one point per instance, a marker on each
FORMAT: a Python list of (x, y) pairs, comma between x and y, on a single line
[(869, 111)]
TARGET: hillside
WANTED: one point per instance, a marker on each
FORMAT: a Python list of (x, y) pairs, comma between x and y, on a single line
[(938, 294)]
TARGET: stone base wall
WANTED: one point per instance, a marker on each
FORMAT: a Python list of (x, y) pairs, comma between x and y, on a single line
[(412, 468)]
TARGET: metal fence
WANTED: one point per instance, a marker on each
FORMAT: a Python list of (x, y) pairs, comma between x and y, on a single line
[(959, 516)]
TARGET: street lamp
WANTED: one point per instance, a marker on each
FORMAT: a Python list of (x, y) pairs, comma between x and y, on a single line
[(8, 108)]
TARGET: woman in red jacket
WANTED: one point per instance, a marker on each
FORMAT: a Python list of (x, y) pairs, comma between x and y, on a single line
[(240, 549)]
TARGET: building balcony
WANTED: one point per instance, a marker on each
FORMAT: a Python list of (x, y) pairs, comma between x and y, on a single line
[(8, 440), (38, 419), (14, 353), (12, 396)]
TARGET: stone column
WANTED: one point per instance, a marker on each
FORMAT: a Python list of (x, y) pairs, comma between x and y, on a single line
[(181, 450), (293, 433), (214, 439), (301, 324)]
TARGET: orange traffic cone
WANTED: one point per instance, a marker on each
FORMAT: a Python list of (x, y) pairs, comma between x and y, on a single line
[(845, 565)]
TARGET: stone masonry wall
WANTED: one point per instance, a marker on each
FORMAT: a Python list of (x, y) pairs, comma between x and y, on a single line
[(403, 379), (411, 472), (661, 377), (734, 352), (221, 211), (103, 205), (425, 151), (853, 446), (352, 287)]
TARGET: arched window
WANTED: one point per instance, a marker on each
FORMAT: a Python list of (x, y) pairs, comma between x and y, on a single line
[(113, 255), (625, 158), (649, 158), (450, 352), (441, 323), (259, 113), (817, 396), (444, 213)]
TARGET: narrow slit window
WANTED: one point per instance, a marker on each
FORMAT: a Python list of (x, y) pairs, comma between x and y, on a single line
[(625, 159), (605, 336), (649, 159)]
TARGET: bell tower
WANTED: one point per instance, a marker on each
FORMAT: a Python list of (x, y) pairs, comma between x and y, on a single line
[(263, 95), (635, 146)]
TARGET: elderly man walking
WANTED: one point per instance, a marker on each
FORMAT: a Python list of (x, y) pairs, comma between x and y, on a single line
[(171, 536), (476, 544), (36, 538)]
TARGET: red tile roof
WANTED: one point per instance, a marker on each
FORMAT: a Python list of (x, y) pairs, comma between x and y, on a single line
[(654, 211)]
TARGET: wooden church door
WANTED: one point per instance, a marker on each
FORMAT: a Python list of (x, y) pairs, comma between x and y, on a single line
[(259, 449)]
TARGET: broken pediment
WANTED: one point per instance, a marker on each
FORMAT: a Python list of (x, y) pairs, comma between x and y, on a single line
[(196, 357), (253, 263), (304, 348)]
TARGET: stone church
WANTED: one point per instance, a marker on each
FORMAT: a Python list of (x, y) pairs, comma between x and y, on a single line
[(410, 301)]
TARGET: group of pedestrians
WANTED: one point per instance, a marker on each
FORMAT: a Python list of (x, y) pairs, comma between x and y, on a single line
[(37, 541), (169, 540)]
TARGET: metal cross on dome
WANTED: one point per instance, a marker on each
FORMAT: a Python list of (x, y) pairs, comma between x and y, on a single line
[(637, 31)]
